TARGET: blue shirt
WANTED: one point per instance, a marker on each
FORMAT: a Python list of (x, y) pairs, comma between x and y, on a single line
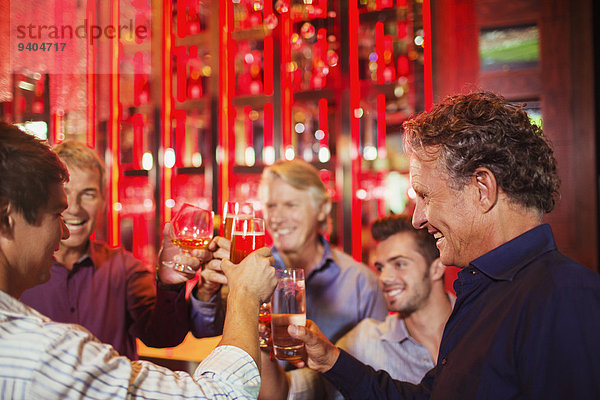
[(340, 292), (525, 325)]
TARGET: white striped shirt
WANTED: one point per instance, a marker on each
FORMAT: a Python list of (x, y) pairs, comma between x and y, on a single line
[(42, 359)]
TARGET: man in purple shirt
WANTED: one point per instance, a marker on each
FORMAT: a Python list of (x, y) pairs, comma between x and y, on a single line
[(107, 290)]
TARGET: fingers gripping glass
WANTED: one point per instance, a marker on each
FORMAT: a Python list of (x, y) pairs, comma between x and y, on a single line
[(248, 234), (192, 228)]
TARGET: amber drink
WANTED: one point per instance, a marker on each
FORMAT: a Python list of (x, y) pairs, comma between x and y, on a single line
[(191, 228), (191, 244)]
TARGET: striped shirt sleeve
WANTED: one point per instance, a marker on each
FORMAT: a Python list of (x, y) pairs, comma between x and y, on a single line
[(40, 359)]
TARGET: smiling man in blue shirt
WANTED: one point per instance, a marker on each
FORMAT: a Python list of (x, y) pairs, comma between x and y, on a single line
[(526, 320)]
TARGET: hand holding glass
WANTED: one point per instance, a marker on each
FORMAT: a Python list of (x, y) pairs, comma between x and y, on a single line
[(192, 229), (288, 307), (248, 234)]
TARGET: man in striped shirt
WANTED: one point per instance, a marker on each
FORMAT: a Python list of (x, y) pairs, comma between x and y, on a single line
[(41, 359)]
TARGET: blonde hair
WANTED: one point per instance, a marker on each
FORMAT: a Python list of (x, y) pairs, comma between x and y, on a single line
[(78, 155), (301, 176)]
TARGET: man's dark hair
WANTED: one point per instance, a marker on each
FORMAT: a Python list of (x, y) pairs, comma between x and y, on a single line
[(27, 170), (390, 225), (484, 130)]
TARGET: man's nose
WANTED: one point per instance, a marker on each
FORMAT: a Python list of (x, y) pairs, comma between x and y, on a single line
[(385, 275), (276, 214), (419, 218), (73, 204)]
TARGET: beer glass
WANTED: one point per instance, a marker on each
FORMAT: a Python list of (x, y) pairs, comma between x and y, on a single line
[(288, 307), (248, 234), (231, 210)]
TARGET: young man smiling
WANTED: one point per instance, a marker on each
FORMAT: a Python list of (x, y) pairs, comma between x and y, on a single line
[(406, 343), (411, 276)]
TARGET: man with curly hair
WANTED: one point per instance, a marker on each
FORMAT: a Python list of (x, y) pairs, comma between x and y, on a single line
[(526, 319)]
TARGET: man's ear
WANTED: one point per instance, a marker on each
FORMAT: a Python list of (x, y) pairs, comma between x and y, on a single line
[(487, 188), (324, 211), (6, 218), (436, 270)]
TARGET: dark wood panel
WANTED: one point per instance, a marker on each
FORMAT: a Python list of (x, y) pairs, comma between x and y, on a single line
[(584, 153), (455, 47), (514, 85), (505, 13), (564, 84)]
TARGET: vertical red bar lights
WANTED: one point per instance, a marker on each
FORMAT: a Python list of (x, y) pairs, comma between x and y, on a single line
[(355, 115)]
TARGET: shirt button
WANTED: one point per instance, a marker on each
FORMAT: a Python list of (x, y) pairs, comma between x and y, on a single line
[(72, 309), (473, 272)]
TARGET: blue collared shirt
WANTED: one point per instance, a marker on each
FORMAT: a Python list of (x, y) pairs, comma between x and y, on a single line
[(340, 292), (387, 345), (525, 325)]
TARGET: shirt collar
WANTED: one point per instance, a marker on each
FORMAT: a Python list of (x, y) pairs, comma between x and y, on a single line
[(505, 261), (394, 329), (95, 256)]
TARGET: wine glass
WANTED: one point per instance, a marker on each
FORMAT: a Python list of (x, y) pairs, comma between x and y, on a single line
[(192, 228)]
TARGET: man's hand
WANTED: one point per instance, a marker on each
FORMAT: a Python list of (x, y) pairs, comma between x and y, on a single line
[(254, 276), (212, 274), (251, 283), (321, 353), (170, 254)]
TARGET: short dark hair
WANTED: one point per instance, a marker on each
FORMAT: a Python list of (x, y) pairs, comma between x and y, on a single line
[(482, 129), (390, 225), (27, 170)]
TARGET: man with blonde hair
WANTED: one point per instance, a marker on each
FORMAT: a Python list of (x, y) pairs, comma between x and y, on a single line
[(108, 290), (340, 292)]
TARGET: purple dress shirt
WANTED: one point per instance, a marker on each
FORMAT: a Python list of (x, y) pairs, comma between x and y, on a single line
[(115, 297)]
